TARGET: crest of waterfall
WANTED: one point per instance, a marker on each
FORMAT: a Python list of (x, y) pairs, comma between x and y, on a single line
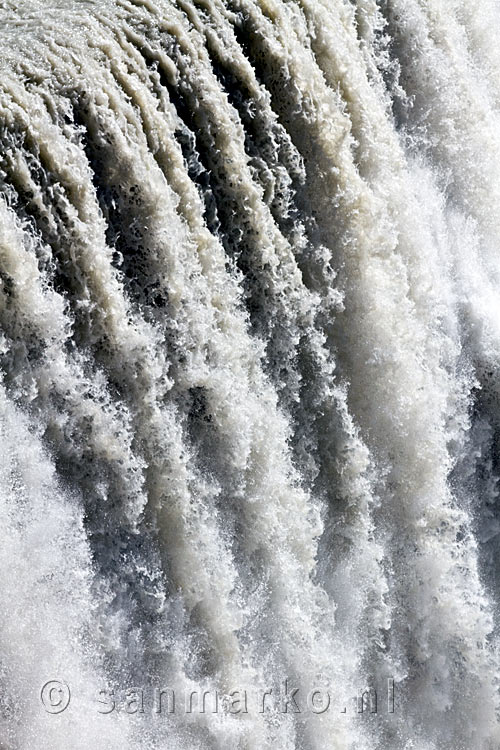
[(250, 372)]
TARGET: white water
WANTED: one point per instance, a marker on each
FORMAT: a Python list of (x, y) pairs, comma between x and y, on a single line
[(250, 363)]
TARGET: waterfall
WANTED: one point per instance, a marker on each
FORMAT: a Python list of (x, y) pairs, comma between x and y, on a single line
[(249, 374)]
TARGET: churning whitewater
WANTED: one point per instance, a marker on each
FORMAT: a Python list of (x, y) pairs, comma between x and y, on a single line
[(250, 374)]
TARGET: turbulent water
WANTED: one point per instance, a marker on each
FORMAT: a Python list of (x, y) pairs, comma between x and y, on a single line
[(250, 374)]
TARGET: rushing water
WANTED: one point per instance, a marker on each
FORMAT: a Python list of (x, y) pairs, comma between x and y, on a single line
[(250, 374)]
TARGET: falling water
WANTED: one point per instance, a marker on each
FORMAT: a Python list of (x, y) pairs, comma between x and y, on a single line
[(250, 374)]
